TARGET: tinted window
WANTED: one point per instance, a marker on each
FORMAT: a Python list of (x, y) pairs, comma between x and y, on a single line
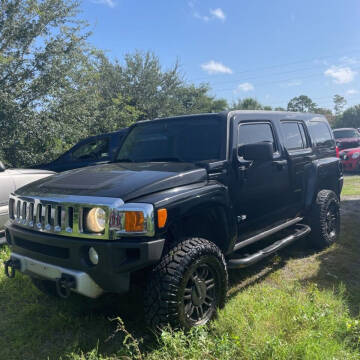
[(188, 140), (320, 133), (293, 138), (255, 133), (97, 149), (343, 134)]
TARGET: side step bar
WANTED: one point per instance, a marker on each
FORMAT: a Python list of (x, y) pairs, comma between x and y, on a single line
[(267, 233), (300, 231)]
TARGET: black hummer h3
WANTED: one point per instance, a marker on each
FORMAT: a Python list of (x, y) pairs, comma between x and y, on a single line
[(188, 198)]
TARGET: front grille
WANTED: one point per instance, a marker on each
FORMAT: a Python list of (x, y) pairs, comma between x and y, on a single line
[(55, 251), (57, 215)]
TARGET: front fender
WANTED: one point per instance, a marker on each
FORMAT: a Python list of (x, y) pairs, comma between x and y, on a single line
[(184, 201)]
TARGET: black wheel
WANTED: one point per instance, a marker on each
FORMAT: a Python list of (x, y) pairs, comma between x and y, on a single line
[(45, 286), (324, 219), (187, 286)]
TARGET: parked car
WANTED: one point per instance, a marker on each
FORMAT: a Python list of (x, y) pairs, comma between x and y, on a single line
[(94, 150), (350, 159), (188, 198), (11, 180), (347, 138)]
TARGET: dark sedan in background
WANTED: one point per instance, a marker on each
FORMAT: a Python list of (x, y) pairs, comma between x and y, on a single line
[(94, 150)]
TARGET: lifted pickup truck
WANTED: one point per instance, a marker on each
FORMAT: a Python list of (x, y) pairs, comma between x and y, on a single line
[(188, 198)]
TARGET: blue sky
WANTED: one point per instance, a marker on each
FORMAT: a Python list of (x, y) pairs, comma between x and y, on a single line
[(271, 50)]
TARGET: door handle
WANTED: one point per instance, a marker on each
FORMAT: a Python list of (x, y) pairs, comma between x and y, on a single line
[(280, 164)]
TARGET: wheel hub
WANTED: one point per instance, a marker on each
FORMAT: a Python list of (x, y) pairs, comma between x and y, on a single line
[(198, 293)]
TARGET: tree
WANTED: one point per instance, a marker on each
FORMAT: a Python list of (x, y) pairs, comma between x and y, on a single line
[(349, 118), (279, 108), (328, 114), (301, 103), (339, 104), (246, 104), (40, 43)]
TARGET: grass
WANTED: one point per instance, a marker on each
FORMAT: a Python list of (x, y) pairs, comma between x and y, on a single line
[(351, 185), (299, 304)]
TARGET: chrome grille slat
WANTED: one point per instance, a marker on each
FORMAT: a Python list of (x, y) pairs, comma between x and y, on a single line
[(58, 215)]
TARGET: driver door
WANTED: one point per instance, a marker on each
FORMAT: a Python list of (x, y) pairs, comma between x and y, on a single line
[(262, 186)]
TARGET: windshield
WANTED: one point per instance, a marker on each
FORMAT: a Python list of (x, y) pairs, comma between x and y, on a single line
[(189, 139), (343, 134)]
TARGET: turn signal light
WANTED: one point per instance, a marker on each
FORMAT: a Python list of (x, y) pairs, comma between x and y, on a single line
[(134, 221), (162, 217)]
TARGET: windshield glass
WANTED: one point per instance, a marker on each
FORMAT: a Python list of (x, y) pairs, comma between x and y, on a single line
[(343, 134), (189, 139)]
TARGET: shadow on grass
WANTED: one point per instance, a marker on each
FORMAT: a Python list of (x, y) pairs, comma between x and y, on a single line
[(340, 264)]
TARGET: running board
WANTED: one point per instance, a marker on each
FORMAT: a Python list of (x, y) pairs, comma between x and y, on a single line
[(266, 233), (300, 231)]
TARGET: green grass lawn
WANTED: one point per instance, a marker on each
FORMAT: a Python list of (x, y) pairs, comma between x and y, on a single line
[(300, 304), (351, 185)]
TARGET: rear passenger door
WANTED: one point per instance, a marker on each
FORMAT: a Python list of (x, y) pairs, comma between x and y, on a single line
[(300, 155), (263, 186)]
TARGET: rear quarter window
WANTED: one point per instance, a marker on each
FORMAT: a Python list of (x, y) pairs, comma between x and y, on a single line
[(320, 134)]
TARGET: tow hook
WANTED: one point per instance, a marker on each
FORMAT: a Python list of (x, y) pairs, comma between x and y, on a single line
[(64, 285), (11, 266)]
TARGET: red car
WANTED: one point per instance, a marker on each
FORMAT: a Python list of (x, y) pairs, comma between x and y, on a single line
[(347, 138), (350, 159)]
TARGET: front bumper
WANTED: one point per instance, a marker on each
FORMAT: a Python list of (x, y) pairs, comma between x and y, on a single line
[(49, 256)]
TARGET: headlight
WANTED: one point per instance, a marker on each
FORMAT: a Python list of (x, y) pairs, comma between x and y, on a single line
[(96, 220), (133, 219), (355, 155)]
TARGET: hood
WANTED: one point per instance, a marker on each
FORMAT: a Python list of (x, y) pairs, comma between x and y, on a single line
[(121, 180)]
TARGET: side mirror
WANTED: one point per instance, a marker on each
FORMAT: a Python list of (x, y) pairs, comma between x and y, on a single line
[(2, 166), (262, 151)]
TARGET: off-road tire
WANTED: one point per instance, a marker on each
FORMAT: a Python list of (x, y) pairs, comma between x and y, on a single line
[(169, 287), (324, 219), (45, 286)]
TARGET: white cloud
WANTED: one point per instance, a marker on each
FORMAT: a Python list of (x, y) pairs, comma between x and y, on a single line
[(211, 15), (341, 74), (214, 67), (352, 92), (218, 13), (110, 3), (201, 17), (245, 87)]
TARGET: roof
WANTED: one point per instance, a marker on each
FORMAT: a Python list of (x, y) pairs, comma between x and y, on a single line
[(251, 115)]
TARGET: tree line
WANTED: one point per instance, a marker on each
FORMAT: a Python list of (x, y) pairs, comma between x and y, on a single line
[(55, 88)]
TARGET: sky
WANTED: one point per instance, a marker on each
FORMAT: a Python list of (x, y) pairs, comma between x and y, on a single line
[(270, 50)]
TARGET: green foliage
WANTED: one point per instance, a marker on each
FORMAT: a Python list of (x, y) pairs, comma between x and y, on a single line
[(246, 104), (339, 104), (349, 118), (301, 103), (56, 90)]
